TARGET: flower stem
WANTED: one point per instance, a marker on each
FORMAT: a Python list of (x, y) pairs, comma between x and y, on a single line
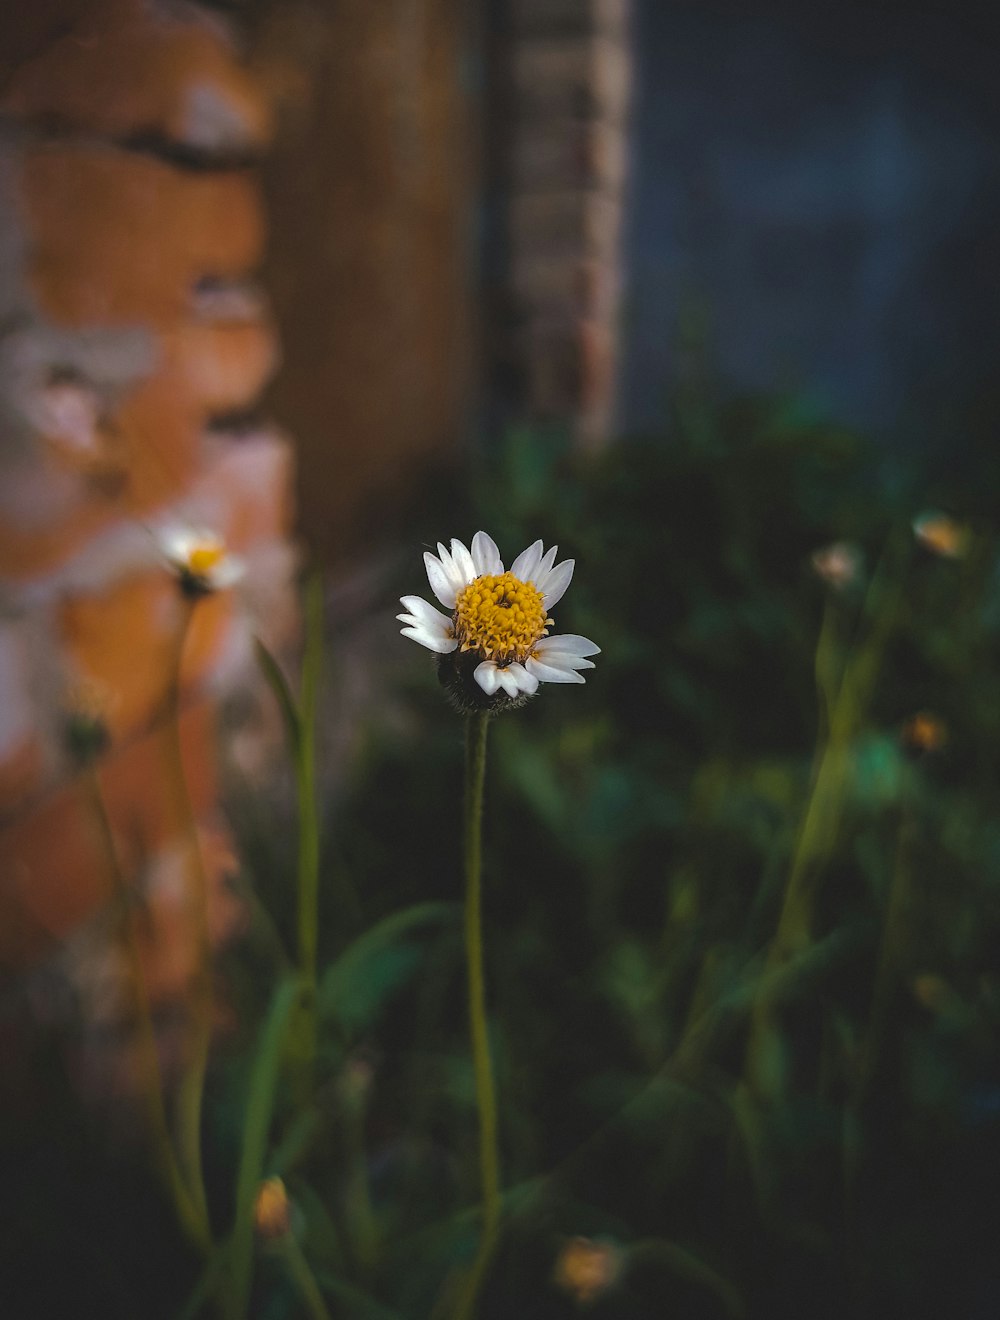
[(475, 774), (151, 1081), (304, 1279), (192, 1086), (308, 854), (845, 686)]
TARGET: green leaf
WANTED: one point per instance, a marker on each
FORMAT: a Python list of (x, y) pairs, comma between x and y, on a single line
[(684, 1262), (312, 659), (279, 686), (257, 1125), (376, 963)]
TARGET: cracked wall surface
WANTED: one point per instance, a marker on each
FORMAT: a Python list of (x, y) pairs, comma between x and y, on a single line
[(134, 343)]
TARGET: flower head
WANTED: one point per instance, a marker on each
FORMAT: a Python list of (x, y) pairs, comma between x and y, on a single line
[(495, 646), (924, 732), (87, 705), (585, 1268), (272, 1212), (941, 535), (839, 564), (200, 559)]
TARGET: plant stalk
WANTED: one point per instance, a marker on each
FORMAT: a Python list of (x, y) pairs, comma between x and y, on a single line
[(151, 1080), (308, 853), (489, 1162), (192, 1088)]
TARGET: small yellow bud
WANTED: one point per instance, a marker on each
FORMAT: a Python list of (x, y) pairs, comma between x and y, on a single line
[(272, 1213), (586, 1268), (941, 535), (924, 732)]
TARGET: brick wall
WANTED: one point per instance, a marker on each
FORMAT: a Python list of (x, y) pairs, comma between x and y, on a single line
[(563, 91), (370, 188), (134, 342)]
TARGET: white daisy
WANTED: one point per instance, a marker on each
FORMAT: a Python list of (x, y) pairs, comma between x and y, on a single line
[(839, 564), (200, 559), (497, 632)]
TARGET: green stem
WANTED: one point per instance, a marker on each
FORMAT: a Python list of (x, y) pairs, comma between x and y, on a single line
[(489, 1163), (151, 1079), (304, 1279), (308, 895), (308, 856), (888, 968), (192, 1088), (358, 1195)]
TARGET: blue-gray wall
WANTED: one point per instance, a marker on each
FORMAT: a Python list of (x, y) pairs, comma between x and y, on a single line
[(822, 194)]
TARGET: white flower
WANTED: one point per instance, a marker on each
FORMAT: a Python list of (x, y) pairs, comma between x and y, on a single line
[(499, 618), (838, 564), (200, 559)]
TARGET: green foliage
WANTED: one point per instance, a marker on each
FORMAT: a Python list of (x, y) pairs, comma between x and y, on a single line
[(739, 923)]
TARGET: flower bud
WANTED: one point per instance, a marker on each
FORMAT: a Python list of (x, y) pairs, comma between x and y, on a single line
[(272, 1212)]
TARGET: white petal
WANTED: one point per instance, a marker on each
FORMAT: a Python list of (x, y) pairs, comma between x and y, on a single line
[(526, 564), (549, 674), (557, 661), (554, 587), (526, 682), (424, 612), (487, 676), (463, 563), (428, 622), (508, 682), (545, 566), (226, 572), (567, 644), (452, 570), (486, 554), (439, 579), (176, 544), (433, 641)]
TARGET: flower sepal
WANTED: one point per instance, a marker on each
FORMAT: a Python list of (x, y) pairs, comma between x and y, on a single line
[(457, 675)]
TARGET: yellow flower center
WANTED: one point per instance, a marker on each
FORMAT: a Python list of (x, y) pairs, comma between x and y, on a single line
[(500, 616), (205, 556)]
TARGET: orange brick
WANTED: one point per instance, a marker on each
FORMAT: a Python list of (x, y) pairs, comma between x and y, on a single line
[(73, 429), (22, 770), (160, 424), (224, 364), (143, 233), (126, 68), (54, 872), (205, 368), (125, 640), (47, 514), (168, 942), (20, 746), (140, 781), (55, 867), (246, 487), (147, 454)]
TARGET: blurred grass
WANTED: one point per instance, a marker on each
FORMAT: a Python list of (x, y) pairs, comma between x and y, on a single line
[(640, 837), (759, 1127)]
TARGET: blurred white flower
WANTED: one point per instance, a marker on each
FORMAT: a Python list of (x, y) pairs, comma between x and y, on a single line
[(839, 564), (200, 559), (498, 626)]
